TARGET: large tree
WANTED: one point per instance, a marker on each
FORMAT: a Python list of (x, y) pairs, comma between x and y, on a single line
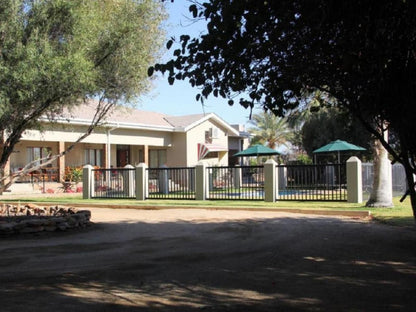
[(361, 52), (329, 124), (54, 54)]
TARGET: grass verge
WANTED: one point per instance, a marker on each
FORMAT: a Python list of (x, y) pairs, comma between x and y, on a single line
[(400, 215)]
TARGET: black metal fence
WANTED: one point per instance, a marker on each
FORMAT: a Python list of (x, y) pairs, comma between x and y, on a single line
[(295, 182), (171, 183), (236, 183), (312, 182), (114, 183)]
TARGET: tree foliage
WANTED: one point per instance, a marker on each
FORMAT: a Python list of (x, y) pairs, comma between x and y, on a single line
[(56, 53), (329, 124), (361, 52)]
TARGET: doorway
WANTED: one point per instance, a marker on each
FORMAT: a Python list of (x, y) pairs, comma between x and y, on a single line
[(123, 155)]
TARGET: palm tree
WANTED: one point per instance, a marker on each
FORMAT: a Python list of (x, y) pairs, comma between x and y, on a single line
[(270, 130)]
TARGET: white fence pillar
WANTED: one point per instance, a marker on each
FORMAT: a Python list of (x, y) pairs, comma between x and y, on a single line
[(270, 181), (128, 181), (87, 182), (354, 180), (238, 178), (200, 181), (141, 181)]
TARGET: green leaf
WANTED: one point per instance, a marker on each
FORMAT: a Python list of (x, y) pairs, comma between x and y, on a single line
[(150, 71), (193, 9), (169, 44)]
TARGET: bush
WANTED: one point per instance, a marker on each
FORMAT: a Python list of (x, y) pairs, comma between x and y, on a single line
[(73, 174)]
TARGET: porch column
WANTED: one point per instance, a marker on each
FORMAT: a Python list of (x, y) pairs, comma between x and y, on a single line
[(146, 154), (61, 161), (105, 159)]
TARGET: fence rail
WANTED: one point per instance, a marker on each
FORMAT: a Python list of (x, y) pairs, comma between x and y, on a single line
[(171, 183)]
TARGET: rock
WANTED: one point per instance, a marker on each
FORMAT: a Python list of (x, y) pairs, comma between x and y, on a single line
[(34, 222), (31, 229), (62, 226), (50, 228), (86, 213), (30, 218), (72, 222), (7, 227)]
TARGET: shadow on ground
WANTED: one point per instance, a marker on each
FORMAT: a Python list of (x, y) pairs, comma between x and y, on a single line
[(257, 264)]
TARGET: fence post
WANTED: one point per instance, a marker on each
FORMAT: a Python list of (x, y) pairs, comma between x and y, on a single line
[(163, 179), (141, 181), (128, 181), (200, 181), (237, 174), (87, 181), (270, 181), (354, 180)]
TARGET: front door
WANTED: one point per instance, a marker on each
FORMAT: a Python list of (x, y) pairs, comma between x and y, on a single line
[(123, 155)]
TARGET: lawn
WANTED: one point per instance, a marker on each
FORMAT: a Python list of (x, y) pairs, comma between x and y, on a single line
[(400, 215)]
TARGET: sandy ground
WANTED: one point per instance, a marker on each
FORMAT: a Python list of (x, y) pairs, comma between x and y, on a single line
[(207, 260)]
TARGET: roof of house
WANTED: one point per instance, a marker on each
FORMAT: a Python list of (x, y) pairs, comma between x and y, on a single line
[(129, 117)]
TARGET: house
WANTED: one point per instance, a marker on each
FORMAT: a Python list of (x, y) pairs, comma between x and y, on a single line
[(130, 136)]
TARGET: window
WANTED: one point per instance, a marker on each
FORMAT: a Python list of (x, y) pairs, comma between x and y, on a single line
[(93, 157), (211, 155), (157, 158), (208, 138), (38, 154)]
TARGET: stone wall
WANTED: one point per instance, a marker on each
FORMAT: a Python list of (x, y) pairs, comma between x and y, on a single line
[(29, 218)]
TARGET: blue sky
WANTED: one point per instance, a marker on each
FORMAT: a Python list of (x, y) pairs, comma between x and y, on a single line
[(179, 99)]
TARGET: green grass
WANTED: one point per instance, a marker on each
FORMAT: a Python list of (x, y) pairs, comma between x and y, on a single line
[(400, 215)]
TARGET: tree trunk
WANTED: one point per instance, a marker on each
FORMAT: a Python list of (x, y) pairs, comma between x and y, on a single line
[(382, 192), (411, 187), (1, 180)]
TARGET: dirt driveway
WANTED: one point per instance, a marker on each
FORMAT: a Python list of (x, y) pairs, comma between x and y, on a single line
[(207, 260)]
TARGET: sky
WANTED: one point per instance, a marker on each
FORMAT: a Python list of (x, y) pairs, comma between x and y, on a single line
[(179, 98)]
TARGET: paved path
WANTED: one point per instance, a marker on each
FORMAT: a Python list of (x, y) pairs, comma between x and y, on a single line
[(207, 260)]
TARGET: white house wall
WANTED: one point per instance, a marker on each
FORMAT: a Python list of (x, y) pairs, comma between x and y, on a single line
[(141, 137), (197, 135), (117, 136), (177, 155)]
